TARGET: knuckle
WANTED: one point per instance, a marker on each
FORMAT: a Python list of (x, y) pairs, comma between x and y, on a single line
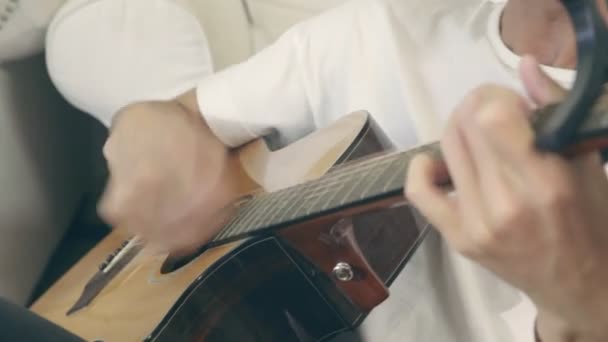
[(130, 114), (135, 108), (470, 251), (478, 243), (469, 104), (464, 247), (483, 240), (411, 191), (494, 106), (107, 150), (494, 115), (108, 211), (508, 217), (557, 198), (412, 183), (146, 186), (482, 108)]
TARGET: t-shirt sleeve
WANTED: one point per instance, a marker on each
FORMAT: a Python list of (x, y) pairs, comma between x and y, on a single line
[(262, 96), (104, 55)]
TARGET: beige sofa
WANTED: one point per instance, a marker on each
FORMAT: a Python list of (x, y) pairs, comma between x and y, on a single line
[(45, 151)]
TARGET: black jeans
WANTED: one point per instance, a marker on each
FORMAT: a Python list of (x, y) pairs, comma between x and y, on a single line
[(21, 325)]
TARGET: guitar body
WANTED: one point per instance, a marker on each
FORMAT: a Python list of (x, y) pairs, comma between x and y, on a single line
[(308, 281)]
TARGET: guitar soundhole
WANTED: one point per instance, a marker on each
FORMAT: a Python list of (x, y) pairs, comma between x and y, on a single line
[(175, 262)]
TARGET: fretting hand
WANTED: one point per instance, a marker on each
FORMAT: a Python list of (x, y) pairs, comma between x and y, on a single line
[(535, 219)]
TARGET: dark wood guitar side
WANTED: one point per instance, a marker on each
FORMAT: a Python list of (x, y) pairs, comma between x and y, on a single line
[(307, 280)]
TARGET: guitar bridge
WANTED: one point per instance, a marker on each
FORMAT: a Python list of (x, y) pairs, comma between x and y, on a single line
[(108, 269)]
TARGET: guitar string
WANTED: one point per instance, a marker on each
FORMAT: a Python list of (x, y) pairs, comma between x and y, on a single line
[(326, 186), (336, 175), (310, 191)]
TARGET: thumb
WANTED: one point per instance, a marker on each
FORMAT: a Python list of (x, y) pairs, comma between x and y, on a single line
[(540, 88)]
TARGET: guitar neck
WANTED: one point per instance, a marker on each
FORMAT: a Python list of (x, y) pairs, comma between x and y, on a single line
[(344, 186)]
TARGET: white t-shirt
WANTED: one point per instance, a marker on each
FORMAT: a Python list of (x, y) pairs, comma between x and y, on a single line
[(407, 62), (105, 54)]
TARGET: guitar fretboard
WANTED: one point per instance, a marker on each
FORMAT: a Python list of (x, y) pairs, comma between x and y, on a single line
[(344, 186)]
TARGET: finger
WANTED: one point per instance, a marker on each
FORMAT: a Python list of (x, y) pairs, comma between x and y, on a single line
[(118, 206), (500, 130), (494, 135), (112, 203), (422, 190), (539, 87), (457, 156)]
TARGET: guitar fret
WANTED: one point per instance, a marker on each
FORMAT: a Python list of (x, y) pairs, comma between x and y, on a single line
[(288, 202), (227, 230), (275, 203), (234, 225), (260, 215), (246, 221), (273, 208), (345, 199), (300, 211), (306, 199), (334, 185), (247, 215), (342, 185), (379, 179), (332, 196), (316, 198), (307, 191), (303, 205), (337, 182), (363, 164), (352, 170), (398, 171), (285, 214)]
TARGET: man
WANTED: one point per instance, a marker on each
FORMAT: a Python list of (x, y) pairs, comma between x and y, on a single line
[(409, 63)]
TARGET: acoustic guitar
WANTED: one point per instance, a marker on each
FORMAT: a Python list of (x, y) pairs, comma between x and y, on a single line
[(322, 230)]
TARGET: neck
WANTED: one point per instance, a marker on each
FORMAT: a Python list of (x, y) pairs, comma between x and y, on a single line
[(541, 28), (341, 189)]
